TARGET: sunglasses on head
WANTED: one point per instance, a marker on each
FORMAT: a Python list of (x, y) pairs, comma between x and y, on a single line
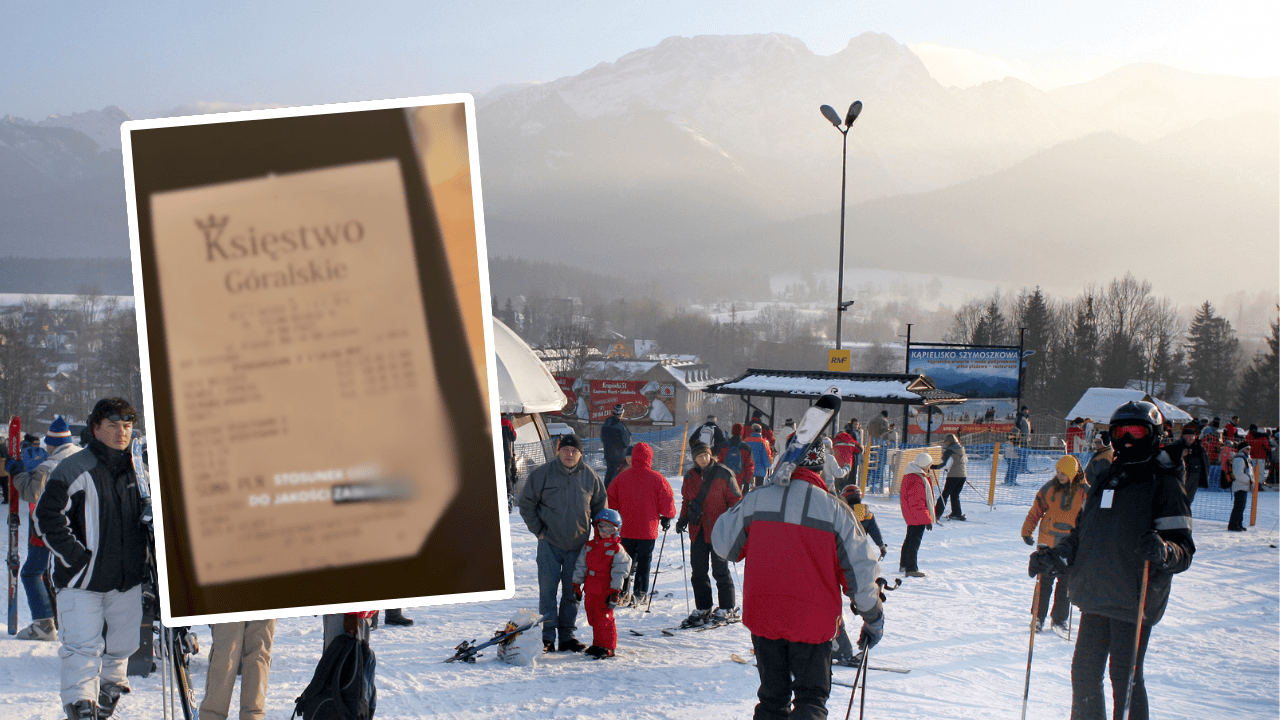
[(116, 417), (1135, 432)]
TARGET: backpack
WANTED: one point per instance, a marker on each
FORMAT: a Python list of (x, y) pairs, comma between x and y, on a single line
[(694, 511), (707, 435), (733, 457), (342, 687)]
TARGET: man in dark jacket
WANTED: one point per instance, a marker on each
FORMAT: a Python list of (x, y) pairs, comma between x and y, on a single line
[(708, 490), (91, 517), (1192, 461), (1134, 528), (557, 503), (616, 438)]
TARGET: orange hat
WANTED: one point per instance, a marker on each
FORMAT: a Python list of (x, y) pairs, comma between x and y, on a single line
[(1068, 465)]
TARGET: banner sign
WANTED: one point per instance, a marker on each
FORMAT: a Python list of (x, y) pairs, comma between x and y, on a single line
[(642, 401), (987, 376)]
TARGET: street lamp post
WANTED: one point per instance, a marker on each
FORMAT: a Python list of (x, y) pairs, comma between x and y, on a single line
[(830, 114)]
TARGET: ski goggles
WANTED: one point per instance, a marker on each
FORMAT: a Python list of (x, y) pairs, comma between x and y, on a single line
[(1133, 432), (115, 417)]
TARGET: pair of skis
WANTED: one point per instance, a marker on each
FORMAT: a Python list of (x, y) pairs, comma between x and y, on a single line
[(814, 421), (857, 661), (15, 448), (467, 650)]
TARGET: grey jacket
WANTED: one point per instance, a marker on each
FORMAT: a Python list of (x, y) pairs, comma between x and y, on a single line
[(1242, 470), (958, 457), (31, 484), (557, 504)]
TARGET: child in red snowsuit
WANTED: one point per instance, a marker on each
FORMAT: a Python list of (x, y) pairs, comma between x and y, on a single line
[(597, 581)]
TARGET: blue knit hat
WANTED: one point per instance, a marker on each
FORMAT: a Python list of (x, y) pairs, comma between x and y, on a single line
[(59, 433)]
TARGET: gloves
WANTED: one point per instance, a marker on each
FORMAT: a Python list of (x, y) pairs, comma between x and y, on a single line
[(577, 592), (872, 628), (666, 523), (612, 600), (681, 525), (929, 526), (1027, 539), (14, 467), (1046, 562), (883, 549), (1153, 549)]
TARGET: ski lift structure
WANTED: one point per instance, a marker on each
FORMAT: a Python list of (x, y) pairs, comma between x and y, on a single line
[(882, 388)]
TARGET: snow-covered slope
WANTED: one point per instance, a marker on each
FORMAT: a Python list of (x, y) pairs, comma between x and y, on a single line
[(962, 631)]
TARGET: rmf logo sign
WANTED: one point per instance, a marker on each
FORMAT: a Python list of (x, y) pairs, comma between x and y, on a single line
[(838, 360)]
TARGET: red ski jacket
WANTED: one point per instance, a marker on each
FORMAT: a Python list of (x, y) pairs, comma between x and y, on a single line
[(846, 447), (641, 495), (724, 493), (917, 498)]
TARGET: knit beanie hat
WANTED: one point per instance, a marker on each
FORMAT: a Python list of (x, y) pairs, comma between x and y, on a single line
[(736, 431), (617, 409), (1068, 465), (815, 458), (59, 433), (570, 440), (924, 461), (698, 448)]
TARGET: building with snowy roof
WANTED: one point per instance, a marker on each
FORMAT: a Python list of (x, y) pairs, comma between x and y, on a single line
[(1100, 403)]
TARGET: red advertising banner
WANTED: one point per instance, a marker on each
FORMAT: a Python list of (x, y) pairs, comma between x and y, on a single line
[(642, 401)]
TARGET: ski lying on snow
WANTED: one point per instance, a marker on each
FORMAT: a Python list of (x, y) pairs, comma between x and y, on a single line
[(734, 657)]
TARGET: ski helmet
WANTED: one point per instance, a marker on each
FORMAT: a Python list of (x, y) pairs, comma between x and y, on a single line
[(610, 516), (1135, 429)]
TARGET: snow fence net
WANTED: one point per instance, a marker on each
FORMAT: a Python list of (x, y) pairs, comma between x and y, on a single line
[(1014, 476), (667, 445)]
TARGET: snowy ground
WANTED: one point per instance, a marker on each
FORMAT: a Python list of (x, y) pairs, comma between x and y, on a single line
[(963, 631)]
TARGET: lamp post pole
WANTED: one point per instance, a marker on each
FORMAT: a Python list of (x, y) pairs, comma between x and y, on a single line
[(830, 114)]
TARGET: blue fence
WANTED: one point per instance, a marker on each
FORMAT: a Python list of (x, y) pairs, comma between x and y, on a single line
[(1020, 473)]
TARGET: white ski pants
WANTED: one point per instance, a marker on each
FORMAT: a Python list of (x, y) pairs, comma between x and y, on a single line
[(243, 647), (88, 657)]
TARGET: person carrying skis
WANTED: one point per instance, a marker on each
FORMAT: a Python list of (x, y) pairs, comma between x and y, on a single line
[(1132, 536), (616, 438), (805, 548), (1055, 509), (953, 463), (91, 517), (645, 500), (737, 456), (35, 571), (598, 574), (558, 502), (708, 433), (708, 490), (916, 499)]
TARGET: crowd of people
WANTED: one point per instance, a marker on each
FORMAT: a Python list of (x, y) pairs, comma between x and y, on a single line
[(1103, 527)]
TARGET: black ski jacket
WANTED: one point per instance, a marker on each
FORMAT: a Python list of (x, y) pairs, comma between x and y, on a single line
[(90, 516), (1195, 462), (615, 437), (1105, 571)]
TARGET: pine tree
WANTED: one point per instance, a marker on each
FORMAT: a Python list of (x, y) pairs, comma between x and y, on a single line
[(1259, 395), (1035, 316), (1212, 347), (1077, 361), (992, 328)]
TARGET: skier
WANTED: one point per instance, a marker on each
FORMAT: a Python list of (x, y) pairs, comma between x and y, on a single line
[(761, 451), (832, 471), (953, 463), (783, 436), (1239, 473), (616, 438), (598, 574), (848, 452), (708, 433), (244, 649), (805, 547), (708, 490), (91, 516), (558, 502), (1132, 536), (645, 500), (35, 571), (1055, 509), (737, 456), (916, 499)]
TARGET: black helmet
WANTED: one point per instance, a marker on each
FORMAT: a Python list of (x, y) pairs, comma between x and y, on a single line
[(1138, 411), (1129, 448)]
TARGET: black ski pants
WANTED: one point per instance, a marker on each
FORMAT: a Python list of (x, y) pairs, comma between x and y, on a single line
[(792, 668), (911, 548), (641, 552), (1236, 521), (702, 555), (1099, 638), (950, 490), (1061, 604)]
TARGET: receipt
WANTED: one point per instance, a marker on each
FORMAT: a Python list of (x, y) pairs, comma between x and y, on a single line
[(309, 424)]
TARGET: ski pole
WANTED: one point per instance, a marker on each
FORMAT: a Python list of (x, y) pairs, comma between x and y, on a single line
[(1137, 638), (862, 665), (685, 561), (1031, 646), (862, 703), (653, 584)]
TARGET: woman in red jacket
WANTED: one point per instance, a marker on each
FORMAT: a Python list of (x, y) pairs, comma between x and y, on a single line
[(917, 498), (645, 500)]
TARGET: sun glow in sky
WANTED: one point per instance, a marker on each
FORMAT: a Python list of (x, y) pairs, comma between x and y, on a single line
[(63, 57)]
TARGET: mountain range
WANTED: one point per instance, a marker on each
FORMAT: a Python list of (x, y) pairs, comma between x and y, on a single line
[(700, 148)]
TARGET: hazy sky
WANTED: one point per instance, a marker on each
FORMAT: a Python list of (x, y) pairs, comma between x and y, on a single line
[(149, 57)]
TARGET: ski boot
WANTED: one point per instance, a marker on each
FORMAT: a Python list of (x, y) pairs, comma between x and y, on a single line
[(39, 630), (108, 695), (81, 710), (395, 616), (572, 645), (599, 653), (1039, 626), (697, 618)]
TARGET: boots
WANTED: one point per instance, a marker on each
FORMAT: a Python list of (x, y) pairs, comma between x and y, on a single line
[(81, 710), (396, 617), (108, 695), (39, 630)]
